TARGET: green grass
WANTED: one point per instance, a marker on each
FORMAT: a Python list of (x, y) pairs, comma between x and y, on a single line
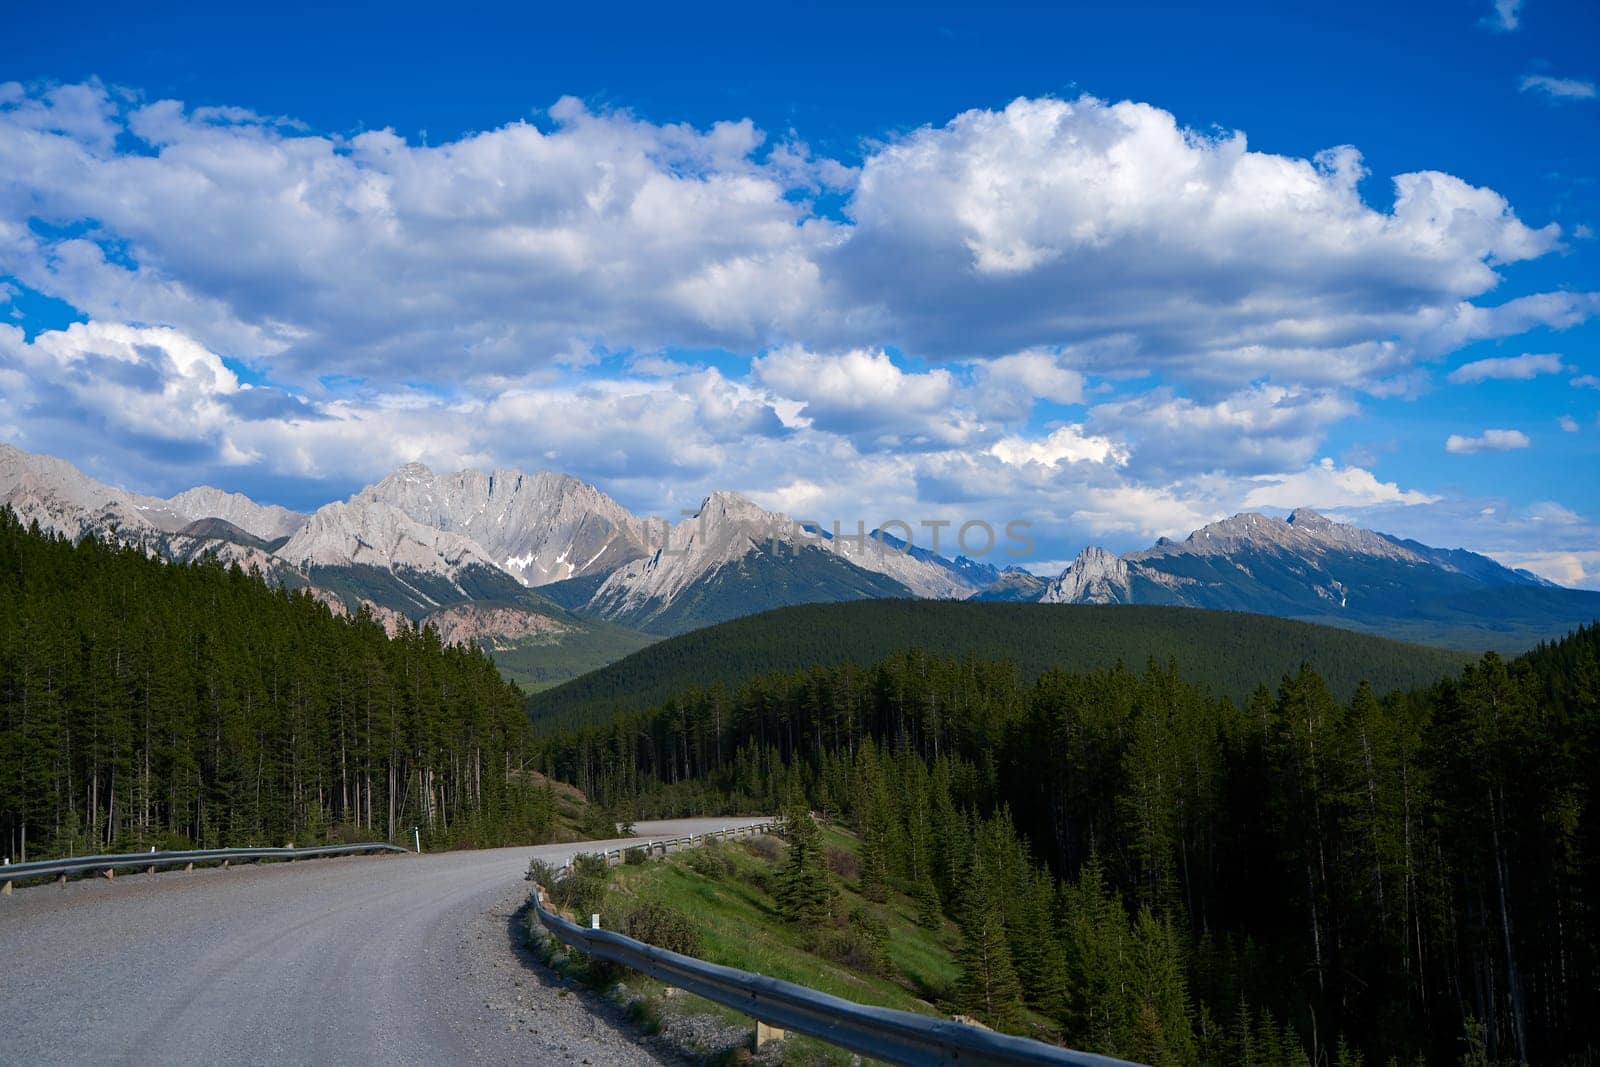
[(739, 926)]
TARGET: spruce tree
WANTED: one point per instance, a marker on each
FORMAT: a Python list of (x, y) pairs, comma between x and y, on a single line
[(805, 894), (988, 986)]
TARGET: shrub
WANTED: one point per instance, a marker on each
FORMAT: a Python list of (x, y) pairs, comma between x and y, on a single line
[(844, 863), (710, 860), (862, 945), (584, 887), (663, 926), (542, 872), (764, 847), (633, 857)]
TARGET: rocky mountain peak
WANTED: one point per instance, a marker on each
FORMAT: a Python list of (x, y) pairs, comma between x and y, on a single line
[(1096, 576), (266, 521), (539, 528)]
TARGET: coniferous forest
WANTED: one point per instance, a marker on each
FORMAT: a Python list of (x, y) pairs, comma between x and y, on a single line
[(1176, 878), (190, 706)]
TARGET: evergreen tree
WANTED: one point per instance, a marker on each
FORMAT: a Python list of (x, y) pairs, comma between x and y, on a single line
[(988, 987), (805, 894)]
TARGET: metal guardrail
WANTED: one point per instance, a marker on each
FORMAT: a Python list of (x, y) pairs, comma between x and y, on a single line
[(882, 1033), (108, 865)]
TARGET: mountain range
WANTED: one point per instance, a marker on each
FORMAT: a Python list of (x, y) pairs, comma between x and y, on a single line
[(562, 577)]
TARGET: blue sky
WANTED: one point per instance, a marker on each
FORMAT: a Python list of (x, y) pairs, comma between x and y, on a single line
[(1113, 272)]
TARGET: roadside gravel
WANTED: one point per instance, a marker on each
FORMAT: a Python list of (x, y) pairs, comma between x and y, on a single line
[(398, 959)]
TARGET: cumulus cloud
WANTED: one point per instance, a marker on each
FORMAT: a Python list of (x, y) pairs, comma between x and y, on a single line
[(1039, 374), (1107, 230), (1058, 222), (383, 257), (1557, 89), (1488, 441), (1264, 428), (1068, 444), (1514, 368), (1327, 485), (864, 394)]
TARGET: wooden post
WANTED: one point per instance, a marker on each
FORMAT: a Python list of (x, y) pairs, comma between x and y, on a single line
[(110, 874), (7, 889), (766, 1032)]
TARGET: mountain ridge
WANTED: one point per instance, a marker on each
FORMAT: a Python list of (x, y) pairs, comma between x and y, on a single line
[(417, 542)]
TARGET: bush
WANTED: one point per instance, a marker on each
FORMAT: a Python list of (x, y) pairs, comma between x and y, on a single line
[(764, 847), (542, 872), (633, 857), (862, 945), (663, 926), (710, 860), (845, 864), (584, 887)]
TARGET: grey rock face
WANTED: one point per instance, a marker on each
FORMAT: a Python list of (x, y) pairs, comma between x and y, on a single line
[(1096, 576), (266, 521), (539, 528)]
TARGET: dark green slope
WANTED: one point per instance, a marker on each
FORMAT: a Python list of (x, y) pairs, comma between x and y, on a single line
[(1229, 653)]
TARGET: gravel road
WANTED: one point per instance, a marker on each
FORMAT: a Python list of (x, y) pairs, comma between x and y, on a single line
[(385, 959)]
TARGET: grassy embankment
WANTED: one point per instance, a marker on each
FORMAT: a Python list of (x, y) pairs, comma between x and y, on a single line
[(717, 903)]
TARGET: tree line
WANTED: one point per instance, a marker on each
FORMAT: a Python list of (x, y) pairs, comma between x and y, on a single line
[(145, 704), (1184, 879)]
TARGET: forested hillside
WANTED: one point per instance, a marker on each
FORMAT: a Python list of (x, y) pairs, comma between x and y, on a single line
[(144, 703), (1182, 879), (1228, 653)]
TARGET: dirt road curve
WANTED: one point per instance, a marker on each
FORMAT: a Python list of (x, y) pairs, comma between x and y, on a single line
[(392, 959)]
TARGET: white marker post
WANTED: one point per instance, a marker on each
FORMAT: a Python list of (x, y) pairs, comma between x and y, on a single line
[(416, 833)]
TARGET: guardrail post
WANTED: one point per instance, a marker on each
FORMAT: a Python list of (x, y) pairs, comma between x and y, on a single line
[(594, 921), (765, 1033), (6, 889)]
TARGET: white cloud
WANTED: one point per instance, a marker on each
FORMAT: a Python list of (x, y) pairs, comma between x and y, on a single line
[(1262, 429), (1488, 441), (1327, 485), (1145, 511), (375, 256), (1106, 231), (1068, 444), (862, 393), (1577, 568), (1586, 381), (1504, 15), (1516, 368), (1557, 89), (1037, 374), (1063, 222), (1568, 424)]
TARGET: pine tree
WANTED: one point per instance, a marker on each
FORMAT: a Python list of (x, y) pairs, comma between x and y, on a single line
[(805, 894), (988, 986)]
